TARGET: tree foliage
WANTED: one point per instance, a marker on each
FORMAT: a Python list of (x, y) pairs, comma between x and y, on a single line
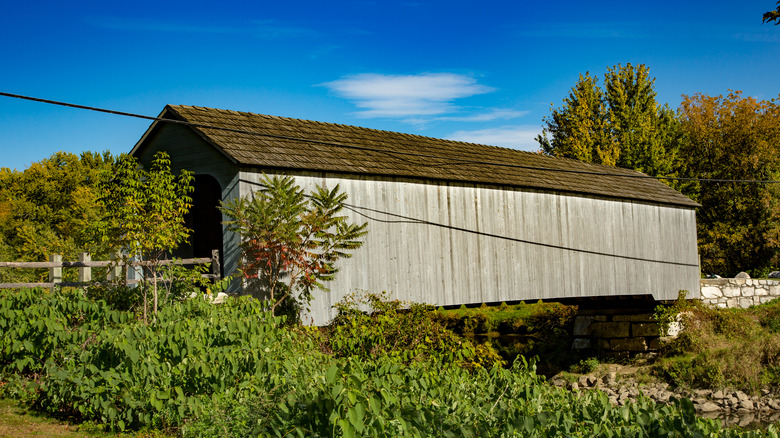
[(738, 138), (48, 208), (620, 125), (291, 241), (144, 211), (772, 15)]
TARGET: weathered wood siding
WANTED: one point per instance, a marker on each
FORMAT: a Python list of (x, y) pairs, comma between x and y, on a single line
[(494, 244), (188, 151)]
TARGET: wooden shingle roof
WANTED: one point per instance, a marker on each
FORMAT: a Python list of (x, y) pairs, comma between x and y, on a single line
[(283, 143)]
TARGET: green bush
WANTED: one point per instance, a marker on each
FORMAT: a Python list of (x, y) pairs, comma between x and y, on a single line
[(235, 370), (721, 347), (369, 325)]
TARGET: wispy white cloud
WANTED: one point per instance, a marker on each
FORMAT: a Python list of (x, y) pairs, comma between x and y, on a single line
[(487, 116), (273, 30), (758, 37), (516, 137), (262, 29), (151, 25), (605, 30), (406, 96)]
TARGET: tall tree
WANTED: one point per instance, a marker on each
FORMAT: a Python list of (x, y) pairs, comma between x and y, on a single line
[(622, 125), (734, 138), (48, 208), (580, 128), (144, 212)]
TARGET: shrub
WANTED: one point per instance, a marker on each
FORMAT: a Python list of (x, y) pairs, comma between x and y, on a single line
[(369, 325)]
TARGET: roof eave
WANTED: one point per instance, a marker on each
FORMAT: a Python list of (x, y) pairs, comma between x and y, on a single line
[(165, 114)]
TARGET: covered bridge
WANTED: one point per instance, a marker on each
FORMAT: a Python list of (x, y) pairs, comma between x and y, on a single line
[(450, 222)]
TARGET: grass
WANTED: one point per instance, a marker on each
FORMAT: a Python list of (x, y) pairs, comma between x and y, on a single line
[(17, 421), (735, 348)]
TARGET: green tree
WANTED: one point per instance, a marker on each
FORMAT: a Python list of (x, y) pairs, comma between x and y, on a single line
[(621, 125), (291, 241), (580, 129), (772, 15), (144, 213), (48, 208), (735, 138)]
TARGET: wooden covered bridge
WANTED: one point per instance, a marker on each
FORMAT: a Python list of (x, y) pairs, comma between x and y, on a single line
[(450, 223)]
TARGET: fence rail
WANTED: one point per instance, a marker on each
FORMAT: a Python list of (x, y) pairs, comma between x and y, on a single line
[(85, 265)]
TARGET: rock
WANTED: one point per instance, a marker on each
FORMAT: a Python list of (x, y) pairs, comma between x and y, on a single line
[(746, 405), (719, 395), (580, 344), (742, 275), (741, 396), (707, 406), (582, 325), (610, 378), (220, 298), (583, 381), (746, 420), (558, 381), (774, 404), (574, 386), (592, 380), (774, 274)]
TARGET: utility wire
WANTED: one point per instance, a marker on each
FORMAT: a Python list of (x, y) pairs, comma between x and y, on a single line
[(454, 160)]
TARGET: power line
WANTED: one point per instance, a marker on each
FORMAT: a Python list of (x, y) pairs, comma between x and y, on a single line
[(383, 151), (402, 219)]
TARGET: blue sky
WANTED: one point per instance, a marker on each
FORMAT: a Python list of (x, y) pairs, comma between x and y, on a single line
[(485, 71)]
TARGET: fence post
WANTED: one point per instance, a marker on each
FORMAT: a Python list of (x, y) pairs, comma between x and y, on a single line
[(55, 274), (115, 270), (85, 273), (215, 268)]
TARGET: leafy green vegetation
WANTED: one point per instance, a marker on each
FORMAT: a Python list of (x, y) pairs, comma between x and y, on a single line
[(531, 330), (48, 208), (144, 214), (403, 332), (236, 370), (737, 348)]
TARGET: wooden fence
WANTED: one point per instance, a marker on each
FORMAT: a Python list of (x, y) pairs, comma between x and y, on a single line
[(85, 265)]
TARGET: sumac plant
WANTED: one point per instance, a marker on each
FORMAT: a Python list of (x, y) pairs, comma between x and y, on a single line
[(290, 240)]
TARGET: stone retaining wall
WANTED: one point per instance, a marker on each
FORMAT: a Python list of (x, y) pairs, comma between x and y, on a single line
[(738, 292), (616, 332)]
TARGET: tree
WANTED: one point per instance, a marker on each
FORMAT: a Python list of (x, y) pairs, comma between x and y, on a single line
[(622, 125), (144, 212), (735, 138), (580, 129), (48, 208), (772, 16), (291, 241)]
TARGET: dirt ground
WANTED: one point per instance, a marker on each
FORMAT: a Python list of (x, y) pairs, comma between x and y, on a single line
[(17, 422)]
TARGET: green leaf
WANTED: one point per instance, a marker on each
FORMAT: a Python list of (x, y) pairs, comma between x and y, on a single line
[(330, 375)]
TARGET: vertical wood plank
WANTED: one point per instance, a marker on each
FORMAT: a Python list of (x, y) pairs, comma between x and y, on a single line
[(55, 273), (85, 273)]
